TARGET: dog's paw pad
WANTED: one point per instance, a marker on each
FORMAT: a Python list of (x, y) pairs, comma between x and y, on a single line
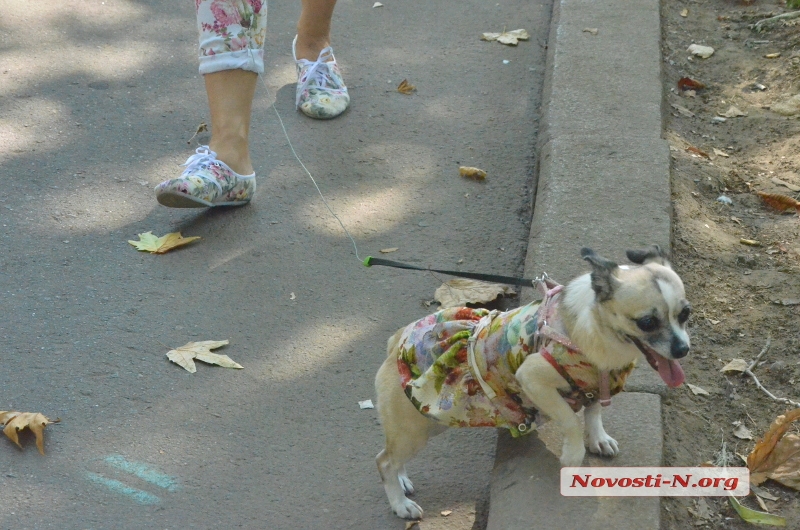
[(408, 509), (605, 445), (408, 486)]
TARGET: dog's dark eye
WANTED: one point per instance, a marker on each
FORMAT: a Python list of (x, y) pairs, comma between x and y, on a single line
[(647, 324), (683, 316)]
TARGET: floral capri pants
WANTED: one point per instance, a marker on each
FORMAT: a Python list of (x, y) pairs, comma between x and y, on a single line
[(232, 34)]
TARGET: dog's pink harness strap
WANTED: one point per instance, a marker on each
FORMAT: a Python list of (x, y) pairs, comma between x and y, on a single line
[(551, 290)]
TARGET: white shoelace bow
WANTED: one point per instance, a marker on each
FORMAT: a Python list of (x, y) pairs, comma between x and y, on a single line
[(319, 71), (203, 157)]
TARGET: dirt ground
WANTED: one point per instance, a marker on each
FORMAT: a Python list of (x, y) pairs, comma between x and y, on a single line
[(741, 293)]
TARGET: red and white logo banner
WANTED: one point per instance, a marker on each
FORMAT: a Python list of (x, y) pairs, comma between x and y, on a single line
[(655, 481)]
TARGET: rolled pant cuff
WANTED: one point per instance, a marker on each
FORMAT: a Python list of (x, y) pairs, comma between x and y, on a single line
[(249, 60)]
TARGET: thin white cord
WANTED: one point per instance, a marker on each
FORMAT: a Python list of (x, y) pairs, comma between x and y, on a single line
[(291, 146)]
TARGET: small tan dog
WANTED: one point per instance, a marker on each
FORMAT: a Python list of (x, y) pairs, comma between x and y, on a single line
[(465, 367)]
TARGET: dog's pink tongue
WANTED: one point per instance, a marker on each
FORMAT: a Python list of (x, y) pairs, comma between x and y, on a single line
[(671, 372)]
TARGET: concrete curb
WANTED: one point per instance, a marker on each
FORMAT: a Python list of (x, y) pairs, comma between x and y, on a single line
[(603, 182)]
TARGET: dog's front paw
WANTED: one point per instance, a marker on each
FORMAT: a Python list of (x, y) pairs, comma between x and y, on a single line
[(572, 455), (408, 509), (603, 444), (405, 482)]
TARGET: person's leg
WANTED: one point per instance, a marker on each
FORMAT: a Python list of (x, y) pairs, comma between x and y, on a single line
[(230, 99), (231, 57), (314, 28), (321, 92)]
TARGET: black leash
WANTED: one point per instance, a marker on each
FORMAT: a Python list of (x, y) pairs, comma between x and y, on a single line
[(369, 261)]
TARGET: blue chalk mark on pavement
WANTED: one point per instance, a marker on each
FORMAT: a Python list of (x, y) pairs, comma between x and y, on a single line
[(142, 497), (144, 472)]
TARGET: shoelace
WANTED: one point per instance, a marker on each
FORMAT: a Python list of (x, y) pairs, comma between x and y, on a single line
[(203, 157), (320, 72)]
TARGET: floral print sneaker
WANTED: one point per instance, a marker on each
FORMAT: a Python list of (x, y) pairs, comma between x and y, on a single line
[(206, 181), (321, 92)]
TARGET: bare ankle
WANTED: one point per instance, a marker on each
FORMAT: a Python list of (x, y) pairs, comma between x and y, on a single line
[(309, 48), (235, 154)]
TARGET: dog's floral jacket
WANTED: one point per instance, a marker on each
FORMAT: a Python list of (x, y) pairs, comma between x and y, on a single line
[(437, 375)]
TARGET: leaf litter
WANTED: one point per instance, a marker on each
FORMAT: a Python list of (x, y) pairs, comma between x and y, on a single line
[(459, 292), (159, 245), (777, 455), (405, 87), (201, 351), (509, 38), (18, 421), (472, 172)]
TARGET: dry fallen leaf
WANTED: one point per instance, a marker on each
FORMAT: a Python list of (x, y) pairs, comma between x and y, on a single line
[(697, 391), (777, 455), (720, 152), (472, 172), (733, 112), (511, 38), (779, 182), (16, 421), (159, 245), (743, 433), (750, 242), (201, 351), (704, 52), (736, 366), (445, 513), (761, 492), (779, 202), (685, 13), (772, 55), (459, 292), (388, 250), (200, 128), (687, 83), (412, 525), (683, 110), (695, 150), (405, 88)]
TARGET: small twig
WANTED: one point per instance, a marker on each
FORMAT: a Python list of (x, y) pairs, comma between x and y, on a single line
[(694, 412), (767, 21), (764, 350), (767, 392), (749, 371)]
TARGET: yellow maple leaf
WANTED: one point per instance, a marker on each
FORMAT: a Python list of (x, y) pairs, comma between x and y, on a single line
[(16, 421), (201, 351), (159, 245)]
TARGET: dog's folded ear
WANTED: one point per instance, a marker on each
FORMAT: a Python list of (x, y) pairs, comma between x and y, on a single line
[(604, 280), (651, 254)]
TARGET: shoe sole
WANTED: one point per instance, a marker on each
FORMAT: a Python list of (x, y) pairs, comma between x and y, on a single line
[(175, 199)]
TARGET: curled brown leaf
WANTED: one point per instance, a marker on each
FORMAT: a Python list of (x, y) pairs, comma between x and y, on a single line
[(770, 456), (687, 83), (779, 202)]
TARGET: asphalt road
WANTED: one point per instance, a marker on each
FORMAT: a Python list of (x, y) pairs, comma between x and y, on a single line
[(98, 100)]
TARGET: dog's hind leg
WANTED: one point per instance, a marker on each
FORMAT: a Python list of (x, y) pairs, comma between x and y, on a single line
[(599, 441), (407, 431)]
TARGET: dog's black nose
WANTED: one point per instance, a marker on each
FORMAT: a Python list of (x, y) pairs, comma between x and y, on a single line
[(677, 348)]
